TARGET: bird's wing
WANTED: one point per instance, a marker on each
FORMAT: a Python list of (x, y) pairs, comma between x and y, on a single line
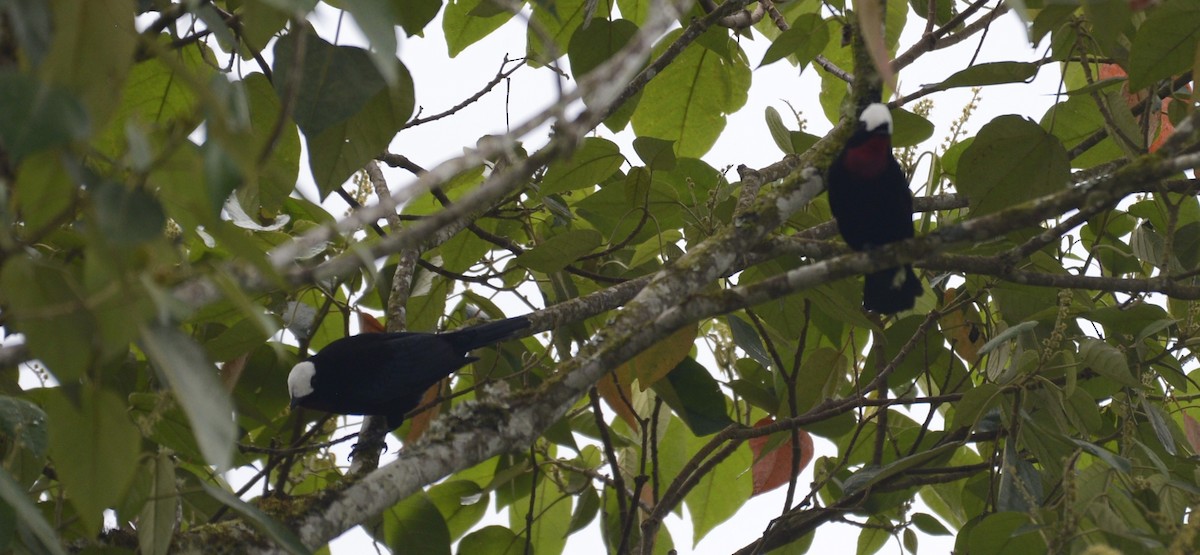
[(413, 363)]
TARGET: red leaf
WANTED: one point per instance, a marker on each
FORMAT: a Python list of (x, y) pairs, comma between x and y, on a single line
[(421, 421), (369, 324), (1161, 127), (1191, 429), (773, 468)]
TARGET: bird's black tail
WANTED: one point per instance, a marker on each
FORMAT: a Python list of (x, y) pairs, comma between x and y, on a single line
[(482, 335), (891, 290)]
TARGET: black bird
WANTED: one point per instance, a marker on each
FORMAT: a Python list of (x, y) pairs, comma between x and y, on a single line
[(385, 374), (870, 199)]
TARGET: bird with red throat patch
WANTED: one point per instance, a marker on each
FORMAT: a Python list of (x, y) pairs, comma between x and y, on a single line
[(873, 206)]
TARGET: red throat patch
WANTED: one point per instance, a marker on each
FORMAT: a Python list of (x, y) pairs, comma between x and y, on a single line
[(868, 160)]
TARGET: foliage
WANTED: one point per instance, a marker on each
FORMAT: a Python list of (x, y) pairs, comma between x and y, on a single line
[(161, 273)]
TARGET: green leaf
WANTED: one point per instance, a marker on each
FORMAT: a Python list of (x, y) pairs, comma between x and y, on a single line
[(345, 147), (806, 38), (414, 15), (720, 493), (170, 426), (14, 495), (694, 395), (185, 367), (822, 370), (335, 82), (834, 89), (32, 26), (1075, 120), (44, 189), (1165, 44), (656, 247), (687, 102), (1187, 245), (1009, 334), (561, 250), (929, 524), (267, 188), (221, 175), (1107, 361), (595, 44), (779, 131), (1128, 320), (550, 513), (414, 525), (747, 339), (156, 521), (1117, 462), (37, 116), (282, 536), (634, 10), (95, 449), (896, 17), (802, 141), (93, 46), (657, 154), (1158, 421), (260, 21), (127, 216), (462, 504), (974, 404), (910, 129), (1001, 533), (377, 20), (1020, 484), (463, 28), (1012, 160), (157, 99), (866, 478), (463, 250), (28, 286), (594, 161), (873, 536), (1109, 22), (559, 21), (586, 509), (491, 540), (239, 339), (994, 73), (943, 12), (24, 426)]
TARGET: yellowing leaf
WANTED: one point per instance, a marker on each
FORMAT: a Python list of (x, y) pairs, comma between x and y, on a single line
[(963, 329), (654, 363)]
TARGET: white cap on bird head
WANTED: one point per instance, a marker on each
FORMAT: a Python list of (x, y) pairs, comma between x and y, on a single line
[(300, 380), (875, 115)]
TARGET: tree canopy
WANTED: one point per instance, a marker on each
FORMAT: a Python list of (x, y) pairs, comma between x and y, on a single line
[(695, 327)]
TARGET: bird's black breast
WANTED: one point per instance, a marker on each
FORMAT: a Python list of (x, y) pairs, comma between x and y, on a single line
[(870, 211)]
